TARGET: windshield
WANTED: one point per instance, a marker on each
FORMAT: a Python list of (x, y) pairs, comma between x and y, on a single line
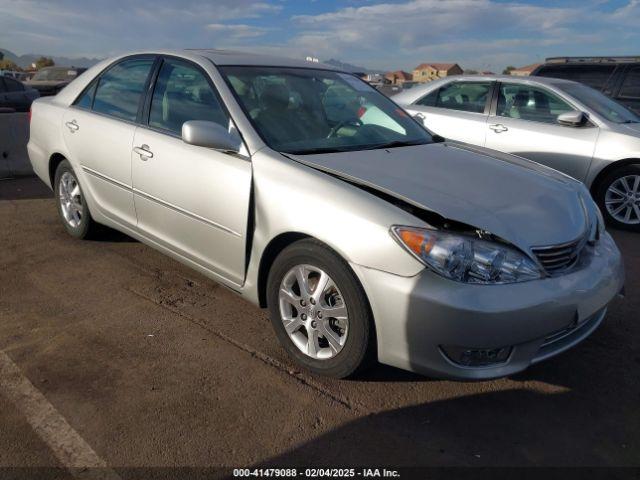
[(304, 111), (55, 74), (602, 105)]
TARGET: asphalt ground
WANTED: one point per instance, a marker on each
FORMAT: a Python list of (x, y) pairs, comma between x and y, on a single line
[(118, 362)]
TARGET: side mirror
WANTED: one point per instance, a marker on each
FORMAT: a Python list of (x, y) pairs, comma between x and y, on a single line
[(206, 134), (574, 118), (437, 138)]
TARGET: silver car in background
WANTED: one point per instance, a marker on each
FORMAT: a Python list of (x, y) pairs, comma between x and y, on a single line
[(562, 124), (306, 191)]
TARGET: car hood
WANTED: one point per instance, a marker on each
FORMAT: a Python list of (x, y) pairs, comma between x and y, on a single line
[(518, 200)]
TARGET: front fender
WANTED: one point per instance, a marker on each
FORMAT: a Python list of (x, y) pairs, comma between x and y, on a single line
[(290, 197)]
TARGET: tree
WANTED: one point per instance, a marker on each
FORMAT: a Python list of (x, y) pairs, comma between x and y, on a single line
[(507, 71), (8, 65), (44, 62)]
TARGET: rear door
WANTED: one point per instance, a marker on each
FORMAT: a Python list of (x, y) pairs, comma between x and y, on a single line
[(523, 121), (190, 199), (457, 111), (99, 128)]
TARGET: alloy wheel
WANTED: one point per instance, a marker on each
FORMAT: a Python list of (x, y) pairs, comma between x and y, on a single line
[(70, 198), (622, 199), (313, 312)]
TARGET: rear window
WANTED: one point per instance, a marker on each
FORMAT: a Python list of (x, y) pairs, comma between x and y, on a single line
[(595, 76)]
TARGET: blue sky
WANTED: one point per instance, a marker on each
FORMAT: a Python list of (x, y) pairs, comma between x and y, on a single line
[(381, 34)]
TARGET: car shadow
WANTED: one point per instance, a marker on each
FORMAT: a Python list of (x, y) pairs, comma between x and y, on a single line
[(23, 188)]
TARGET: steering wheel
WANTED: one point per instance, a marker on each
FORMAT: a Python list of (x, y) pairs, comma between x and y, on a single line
[(356, 122)]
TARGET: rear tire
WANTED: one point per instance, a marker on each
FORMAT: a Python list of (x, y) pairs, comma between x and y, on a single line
[(72, 207), (329, 326), (618, 196)]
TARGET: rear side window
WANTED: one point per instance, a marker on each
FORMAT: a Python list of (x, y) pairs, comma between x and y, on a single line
[(462, 96), (530, 103), (595, 76), (120, 88), (86, 99), (13, 85), (631, 85), (183, 93)]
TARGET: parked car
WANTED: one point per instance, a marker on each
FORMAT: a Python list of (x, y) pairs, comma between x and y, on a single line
[(616, 77), (15, 96), (564, 125), (363, 241), (50, 80)]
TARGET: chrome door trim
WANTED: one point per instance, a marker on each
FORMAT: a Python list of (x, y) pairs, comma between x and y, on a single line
[(99, 175), (186, 212)]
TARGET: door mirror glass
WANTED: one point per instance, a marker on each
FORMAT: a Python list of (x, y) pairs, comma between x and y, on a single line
[(574, 118), (203, 133)]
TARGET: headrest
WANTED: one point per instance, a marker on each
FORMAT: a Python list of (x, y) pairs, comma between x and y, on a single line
[(275, 96)]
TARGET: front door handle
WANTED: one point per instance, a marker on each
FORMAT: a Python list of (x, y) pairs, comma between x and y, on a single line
[(73, 126), (498, 128), (144, 152)]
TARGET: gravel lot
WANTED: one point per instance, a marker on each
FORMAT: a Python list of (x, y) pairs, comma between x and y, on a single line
[(153, 365)]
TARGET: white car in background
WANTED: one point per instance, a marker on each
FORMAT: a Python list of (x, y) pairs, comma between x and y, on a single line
[(562, 124)]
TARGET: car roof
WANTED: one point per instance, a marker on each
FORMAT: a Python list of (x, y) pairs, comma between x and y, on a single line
[(418, 91), (232, 57)]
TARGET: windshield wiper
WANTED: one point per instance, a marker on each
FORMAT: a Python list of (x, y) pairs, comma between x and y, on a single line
[(311, 151), (395, 143)]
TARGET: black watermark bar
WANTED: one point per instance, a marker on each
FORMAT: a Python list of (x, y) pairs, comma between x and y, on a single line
[(285, 472)]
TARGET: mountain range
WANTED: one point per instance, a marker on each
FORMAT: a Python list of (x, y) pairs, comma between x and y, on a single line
[(26, 60)]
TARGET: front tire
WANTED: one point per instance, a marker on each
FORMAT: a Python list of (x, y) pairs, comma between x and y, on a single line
[(618, 196), (319, 310), (72, 207)]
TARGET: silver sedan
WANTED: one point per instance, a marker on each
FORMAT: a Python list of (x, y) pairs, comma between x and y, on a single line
[(562, 124), (309, 193)]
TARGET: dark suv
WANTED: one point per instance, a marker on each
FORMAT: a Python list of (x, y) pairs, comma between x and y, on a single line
[(616, 77)]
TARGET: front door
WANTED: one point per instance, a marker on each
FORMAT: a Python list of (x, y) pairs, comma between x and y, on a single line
[(456, 111), (106, 116), (193, 200), (525, 124)]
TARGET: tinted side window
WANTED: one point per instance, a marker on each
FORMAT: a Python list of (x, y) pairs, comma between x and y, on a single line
[(13, 85), (595, 76), (631, 85), (86, 99), (183, 93), (120, 88), (2, 87), (429, 100), (530, 103), (464, 96)]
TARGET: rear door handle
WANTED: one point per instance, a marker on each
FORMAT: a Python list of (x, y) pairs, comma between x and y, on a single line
[(498, 128), (144, 152), (73, 126)]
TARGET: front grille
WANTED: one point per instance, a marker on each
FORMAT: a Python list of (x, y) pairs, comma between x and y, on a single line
[(558, 258)]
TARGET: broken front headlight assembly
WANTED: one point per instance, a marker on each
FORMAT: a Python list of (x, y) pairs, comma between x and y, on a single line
[(465, 258)]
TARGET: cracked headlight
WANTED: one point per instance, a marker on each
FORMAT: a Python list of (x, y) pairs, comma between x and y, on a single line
[(467, 259)]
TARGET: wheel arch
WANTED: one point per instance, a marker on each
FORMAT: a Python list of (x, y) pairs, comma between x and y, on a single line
[(602, 174), (54, 160), (271, 251)]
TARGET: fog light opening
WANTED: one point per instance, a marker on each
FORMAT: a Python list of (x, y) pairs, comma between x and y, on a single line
[(476, 357)]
